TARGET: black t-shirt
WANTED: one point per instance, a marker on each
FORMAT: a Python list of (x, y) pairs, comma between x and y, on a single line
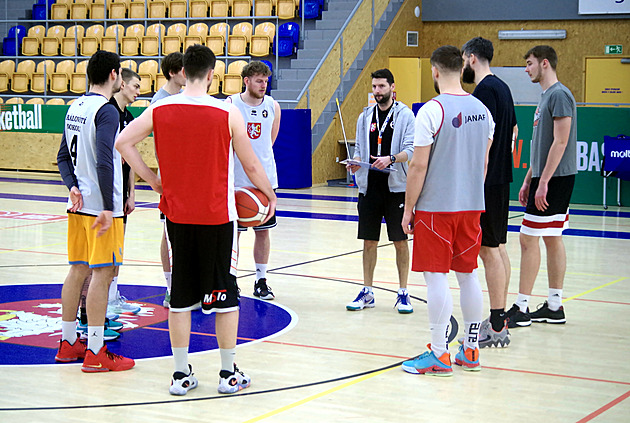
[(376, 179), (125, 118), (496, 96)]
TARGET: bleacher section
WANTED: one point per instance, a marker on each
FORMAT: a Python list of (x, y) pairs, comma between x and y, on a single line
[(45, 57)]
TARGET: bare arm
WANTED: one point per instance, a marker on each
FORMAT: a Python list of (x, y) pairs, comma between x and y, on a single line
[(485, 164), (514, 136), (561, 131), (136, 131), (415, 182), (276, 122)]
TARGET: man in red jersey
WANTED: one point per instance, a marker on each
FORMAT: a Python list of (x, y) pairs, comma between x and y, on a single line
[(195, 138)]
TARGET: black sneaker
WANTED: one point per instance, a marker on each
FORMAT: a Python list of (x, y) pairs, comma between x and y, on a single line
[(516, 318), (262, 291), (545, 315)]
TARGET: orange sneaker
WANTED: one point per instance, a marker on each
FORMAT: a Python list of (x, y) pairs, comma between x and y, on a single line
[(468, 359), (70, 352), (105, 361)]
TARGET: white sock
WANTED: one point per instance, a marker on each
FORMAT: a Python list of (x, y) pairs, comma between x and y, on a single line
[(522, 301), (113, 290), (261, 271), (69, 331), (180, 356), (440, 305), (471, 302), (368, 289), (227, 358), (555, 299), (167, 276), (95, 338), (403, 291)]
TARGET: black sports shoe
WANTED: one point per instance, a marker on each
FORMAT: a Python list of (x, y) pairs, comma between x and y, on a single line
[(262, 291), (516, 318), (545, 315)]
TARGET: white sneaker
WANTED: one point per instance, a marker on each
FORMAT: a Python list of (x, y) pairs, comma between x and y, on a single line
[(365, 299), (181, 383), (121, 306), (403, 302), (230, 383)]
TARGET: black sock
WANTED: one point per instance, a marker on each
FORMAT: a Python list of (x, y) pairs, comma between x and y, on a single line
[(497, 319), (83, 317)]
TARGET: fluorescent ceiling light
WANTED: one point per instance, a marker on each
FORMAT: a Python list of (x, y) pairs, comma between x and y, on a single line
[(534, 34)]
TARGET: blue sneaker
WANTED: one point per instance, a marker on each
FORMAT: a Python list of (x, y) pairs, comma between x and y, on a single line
[(120, 306), (108, 334), (429, 364), (403, 303), (468, 359), (365, 299)]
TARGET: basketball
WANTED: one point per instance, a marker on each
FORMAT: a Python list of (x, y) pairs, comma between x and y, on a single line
[(252, 206)]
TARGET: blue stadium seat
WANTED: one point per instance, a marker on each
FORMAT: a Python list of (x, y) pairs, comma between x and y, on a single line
[(12, 43), (288, 39), (39, 12), (312, 9), (268, 63)]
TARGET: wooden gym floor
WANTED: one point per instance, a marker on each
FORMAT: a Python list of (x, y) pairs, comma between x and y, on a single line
[(330, 365)]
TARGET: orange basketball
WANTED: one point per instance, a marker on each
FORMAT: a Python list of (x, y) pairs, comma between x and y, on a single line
[(252, 206)]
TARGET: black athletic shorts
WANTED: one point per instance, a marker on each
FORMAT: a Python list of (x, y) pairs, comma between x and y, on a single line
[(376, 205), (559, 192), (494, 222), (271, 223), (204, 267)]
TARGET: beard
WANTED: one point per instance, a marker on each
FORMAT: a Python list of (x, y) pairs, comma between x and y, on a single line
[(384, 98), (468, 75), (255, 94), (436, 86)]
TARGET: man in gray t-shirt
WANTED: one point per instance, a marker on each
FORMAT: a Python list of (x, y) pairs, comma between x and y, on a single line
[(547, 189)]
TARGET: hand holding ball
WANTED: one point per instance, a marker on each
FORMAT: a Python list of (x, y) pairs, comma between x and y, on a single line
[(252, 206)]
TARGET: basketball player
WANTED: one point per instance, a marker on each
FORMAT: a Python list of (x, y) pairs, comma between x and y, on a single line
[(453, 134), (173, 71), (547, 189), (496, 96), (195, 136), (92, 171), (384, 137), (262, 116)]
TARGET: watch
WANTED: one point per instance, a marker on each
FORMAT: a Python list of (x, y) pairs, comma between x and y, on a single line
[(392, 158)]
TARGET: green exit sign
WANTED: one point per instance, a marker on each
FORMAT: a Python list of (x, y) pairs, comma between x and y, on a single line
[(614, 49)]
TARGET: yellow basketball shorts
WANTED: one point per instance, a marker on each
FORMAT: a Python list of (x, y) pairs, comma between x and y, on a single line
[(85, 248)]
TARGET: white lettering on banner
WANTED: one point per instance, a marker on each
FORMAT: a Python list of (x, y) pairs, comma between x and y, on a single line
[(588, 160), (620, 154), (18, 119)]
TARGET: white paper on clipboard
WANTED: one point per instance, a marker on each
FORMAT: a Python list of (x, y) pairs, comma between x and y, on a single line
[(366, 165)]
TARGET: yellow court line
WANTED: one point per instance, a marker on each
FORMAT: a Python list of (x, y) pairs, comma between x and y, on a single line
[(316, 396), (594, 289)]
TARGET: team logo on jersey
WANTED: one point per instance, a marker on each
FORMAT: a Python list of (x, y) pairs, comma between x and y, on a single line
[(373, 127), (254, 112), (457, 121), (265, 113), (254, 129)]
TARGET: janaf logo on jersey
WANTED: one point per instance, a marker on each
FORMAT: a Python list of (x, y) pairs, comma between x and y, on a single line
[(15, 118)]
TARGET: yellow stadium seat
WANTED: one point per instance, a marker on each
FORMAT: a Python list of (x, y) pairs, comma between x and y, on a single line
[(150, 45), (285, 9), (60, 9), (137, 9), (239, 41), (50, 43), (15, 100), (61, 76), (92, 39), (160, 81), (70, 44), (198, 9), (7, 68), (55, 101), (263, 8), (118, 9), (97, 10), (241, 8), (35, 100), (219, 8), (217, 78), (262, 39), (216, 38), (140, 103), (1, 100), (130, 64), (157, 9), (197, 34), (219, 69), (177, 9), (131, 40), (78, 78), (42, 76), (32, 41), (174, 38), (232, 80), (22, 76), (148, 71), (79, 10), (71, 101), (113, 38)]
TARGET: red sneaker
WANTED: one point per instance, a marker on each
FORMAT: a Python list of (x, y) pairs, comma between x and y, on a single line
[(105, 361), (70, 352)]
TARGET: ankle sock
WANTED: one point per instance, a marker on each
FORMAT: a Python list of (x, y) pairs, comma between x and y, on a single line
[(554, 301), (522, 301), (497, 319)]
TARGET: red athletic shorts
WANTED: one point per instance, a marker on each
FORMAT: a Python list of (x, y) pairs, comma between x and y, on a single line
[(445, 241)]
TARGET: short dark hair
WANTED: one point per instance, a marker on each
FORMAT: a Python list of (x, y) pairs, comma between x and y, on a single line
[(384, 74), (174, 62), (128, 74), (101, 64), (447, 59), (543, 52), (198, 60), (480, 47), (255, 67)]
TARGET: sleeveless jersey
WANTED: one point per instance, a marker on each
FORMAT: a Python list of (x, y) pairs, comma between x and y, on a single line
[(80, 133), (455, 176), (194, 150), (259, 121)]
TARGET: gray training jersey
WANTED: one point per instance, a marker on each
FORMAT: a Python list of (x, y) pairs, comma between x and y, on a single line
[(259, 121), (457, 127)]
